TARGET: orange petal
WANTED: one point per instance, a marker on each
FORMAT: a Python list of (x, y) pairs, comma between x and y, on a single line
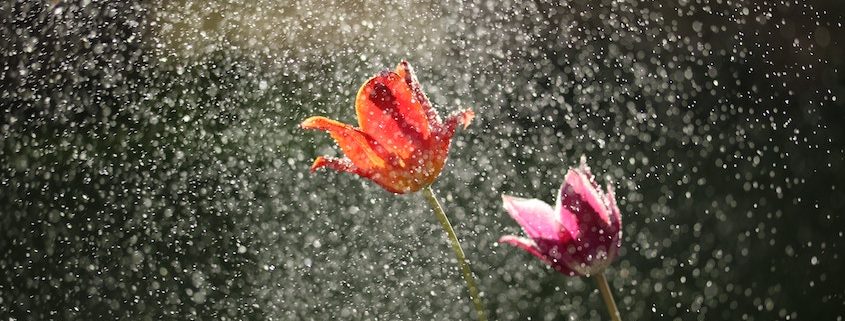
[(463, 118), (338, 164), (389, 112), (364, 152), (343, 165), (405, 71)]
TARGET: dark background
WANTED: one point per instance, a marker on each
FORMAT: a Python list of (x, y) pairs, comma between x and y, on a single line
[(152, 167)]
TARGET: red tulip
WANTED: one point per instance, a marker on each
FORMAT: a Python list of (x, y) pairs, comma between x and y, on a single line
[(580, 235), (401, 143)]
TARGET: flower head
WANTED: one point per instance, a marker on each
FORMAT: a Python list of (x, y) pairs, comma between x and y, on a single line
[(400, 142), (581, 235)]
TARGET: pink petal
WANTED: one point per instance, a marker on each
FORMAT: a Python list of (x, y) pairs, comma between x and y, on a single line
[(525, 244), (568, 219), (530, 246), (587, 211), (580, 200), (616, 223), (615, 215), (535, 216)]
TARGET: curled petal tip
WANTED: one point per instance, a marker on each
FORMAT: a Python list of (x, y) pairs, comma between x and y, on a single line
[(338, 164), (521, 242), (310, 122), (583, 166), (466, 117), (463, 118), (505, 239), (320, 161)]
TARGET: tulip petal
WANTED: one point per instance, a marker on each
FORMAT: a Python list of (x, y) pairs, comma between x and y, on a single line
[(339, 164), (595, 196), (580, 203), (405, 71), (530, 246), (364, 152), (567, 216), (535, 216), (525, 244), (610, 199), (616, 222), (445, 132), (596, 237), (389, 112), (463, 117)]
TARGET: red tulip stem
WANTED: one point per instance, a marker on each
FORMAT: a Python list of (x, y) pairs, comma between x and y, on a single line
[(604, 288), (459, 252)]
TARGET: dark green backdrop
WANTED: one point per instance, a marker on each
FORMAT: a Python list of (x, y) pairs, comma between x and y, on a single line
[(152, 167)]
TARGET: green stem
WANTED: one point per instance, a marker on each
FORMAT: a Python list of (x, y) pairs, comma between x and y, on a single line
[(459, 252), (607, 296)]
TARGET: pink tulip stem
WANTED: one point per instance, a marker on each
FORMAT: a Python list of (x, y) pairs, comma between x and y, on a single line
[(604, 288), (459, 252)]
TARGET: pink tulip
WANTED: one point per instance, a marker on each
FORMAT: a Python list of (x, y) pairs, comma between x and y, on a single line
[(581, 235)]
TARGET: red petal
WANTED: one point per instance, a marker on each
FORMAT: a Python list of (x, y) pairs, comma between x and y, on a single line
[(364, 152), (405, 71), (338, 164), (458, 118), (389, 112)]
